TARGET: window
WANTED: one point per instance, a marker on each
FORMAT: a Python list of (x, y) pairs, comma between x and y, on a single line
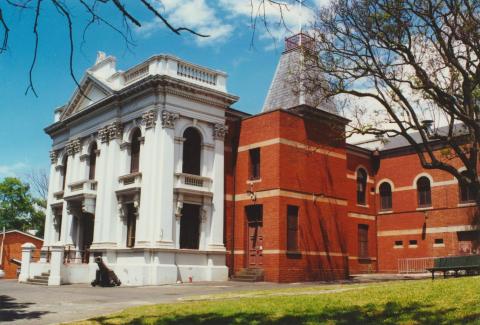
[(192, 150), (131, 225), (424, 193), (135, 151), (398, 243), (254, 163), (361, 186), (385, 196), (412, 242), (64, 171), (190, 226), (363, 241), (92, 161), (292, 228), (467, 190), (438, 241)]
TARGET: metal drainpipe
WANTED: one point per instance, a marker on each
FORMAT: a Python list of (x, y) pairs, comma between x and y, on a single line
[(234, 158)]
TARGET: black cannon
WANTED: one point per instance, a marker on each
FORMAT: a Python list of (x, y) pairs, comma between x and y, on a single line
[(104, 276)]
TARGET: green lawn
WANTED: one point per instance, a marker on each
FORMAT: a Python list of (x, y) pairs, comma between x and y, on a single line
[(450, 301)]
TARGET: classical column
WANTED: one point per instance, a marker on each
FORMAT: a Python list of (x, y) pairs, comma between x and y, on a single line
[(100, 177), (49, 231), (149, 167), (165, 213), (216, 226), (110, 218)]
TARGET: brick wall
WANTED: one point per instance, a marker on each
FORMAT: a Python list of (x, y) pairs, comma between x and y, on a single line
[(13, 249)]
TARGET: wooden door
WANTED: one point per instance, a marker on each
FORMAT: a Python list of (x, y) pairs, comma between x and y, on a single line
[(255, 243)]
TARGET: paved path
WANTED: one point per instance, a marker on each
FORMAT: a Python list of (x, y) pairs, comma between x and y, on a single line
[(31, 304)]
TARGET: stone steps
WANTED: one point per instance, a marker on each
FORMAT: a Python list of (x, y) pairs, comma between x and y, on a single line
[(248, 275), (41, 279)]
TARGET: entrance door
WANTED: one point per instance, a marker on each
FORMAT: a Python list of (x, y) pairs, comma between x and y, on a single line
[(255, 235), (88, 221)]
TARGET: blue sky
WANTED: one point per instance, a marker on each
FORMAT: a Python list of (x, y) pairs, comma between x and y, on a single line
[(23, 143)]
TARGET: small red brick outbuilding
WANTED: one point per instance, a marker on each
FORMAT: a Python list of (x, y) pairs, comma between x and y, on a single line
[(12, 249)]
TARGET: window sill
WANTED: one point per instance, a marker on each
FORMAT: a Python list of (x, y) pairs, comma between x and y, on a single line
[(363, 205), (397, 247), (424, 208), (385, 212), (254, 180), (438, 245), (466, 204), (412, 246)]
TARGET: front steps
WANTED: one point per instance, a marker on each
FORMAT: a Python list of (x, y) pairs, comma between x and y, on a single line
[(248, 275), (39, 279)]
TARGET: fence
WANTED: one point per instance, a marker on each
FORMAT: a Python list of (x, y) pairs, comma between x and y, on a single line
[(415, 265)]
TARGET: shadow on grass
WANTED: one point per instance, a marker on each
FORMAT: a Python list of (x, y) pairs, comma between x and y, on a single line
[(10, 310), (390, 313)]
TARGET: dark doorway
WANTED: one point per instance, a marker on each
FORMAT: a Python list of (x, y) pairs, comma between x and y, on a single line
[(190, 226), (131, 225), (255, 235), (88, 224), (192, 148)]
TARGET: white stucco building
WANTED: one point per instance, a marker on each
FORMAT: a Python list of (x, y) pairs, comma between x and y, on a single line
[(137, 175)]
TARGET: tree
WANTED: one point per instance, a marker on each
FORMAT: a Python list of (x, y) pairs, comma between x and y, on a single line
[(38, 180), (412, 60), (18, 209), (95, 10)]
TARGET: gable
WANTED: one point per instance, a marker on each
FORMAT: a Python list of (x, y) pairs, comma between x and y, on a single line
[(92, 91)]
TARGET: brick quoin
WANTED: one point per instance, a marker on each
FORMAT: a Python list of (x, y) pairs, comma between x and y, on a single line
[(306, 163)]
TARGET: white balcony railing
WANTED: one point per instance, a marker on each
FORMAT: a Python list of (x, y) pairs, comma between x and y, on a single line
[(130, 181), (82, 188), (195, 73), (196, 183)]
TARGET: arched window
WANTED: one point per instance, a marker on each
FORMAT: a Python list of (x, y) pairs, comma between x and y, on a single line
[(424, 192), (467, 190), (64, 171), (361, 186), (92, 161), (192, 148), (385, 196), (135, 151)]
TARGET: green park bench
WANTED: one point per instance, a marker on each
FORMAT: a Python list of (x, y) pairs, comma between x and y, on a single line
[(468, 263)]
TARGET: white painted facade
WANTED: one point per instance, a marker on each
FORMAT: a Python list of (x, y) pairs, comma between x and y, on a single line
[(163, 97)]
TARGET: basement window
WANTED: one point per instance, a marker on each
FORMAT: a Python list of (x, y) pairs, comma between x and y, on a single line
[(398, 244), (438, 242), (412, 243)]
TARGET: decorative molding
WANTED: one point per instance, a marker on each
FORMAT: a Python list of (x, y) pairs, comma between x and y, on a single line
[(203, 215), (179, 140), (178, 209), (73, 147), (53, 157), (150, 119), (125, 145), (84, 157), (115, 130), (168, 119), (103, 134), (219, 131)]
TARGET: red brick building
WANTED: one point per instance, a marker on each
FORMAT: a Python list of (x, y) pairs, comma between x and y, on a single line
[(303, 205), (12, 249)]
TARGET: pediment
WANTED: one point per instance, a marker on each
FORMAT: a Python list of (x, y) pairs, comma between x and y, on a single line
[(92, 91)]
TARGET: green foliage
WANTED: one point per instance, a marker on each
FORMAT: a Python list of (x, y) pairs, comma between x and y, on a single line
[(18, 208), (450, 301)]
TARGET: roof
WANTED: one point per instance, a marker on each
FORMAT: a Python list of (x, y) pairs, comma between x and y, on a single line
[(400, 141), (290, 87), (21, 232)]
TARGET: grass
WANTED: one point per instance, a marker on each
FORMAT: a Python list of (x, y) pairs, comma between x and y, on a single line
[(450, 301)]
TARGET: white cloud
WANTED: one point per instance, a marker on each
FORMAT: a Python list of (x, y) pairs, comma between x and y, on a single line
[(197, 15), (12, 170)]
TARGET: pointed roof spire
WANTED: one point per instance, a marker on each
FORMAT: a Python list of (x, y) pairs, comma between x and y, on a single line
[(292, 83)]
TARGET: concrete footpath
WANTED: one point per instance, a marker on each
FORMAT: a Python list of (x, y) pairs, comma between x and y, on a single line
[(32, 304)]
